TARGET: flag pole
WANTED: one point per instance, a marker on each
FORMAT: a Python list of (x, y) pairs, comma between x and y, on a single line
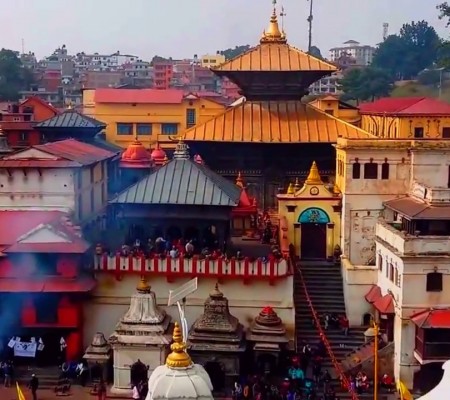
[(375, 364)]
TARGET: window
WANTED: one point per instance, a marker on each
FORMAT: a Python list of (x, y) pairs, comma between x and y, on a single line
[(43, 138), (446, 133), (24, 137), (418, 133), (356, 173), (370, 170), (331, 112), (169, 129), (380, 262), (144, 129), (434, 282), (190, 117), (124, 129), (391, 272), (396, 277), (385, 170)]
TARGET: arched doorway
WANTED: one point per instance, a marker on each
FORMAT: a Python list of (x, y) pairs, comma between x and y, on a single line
[(216, 374), (313, 233), (266, 363), (138, 373)]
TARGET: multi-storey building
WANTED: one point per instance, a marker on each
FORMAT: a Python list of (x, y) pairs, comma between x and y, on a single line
[(362, 54), (212, 60), (162, 74)]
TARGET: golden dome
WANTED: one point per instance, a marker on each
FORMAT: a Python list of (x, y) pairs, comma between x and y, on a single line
[(143, 286), (314, 176), (273, 34), (240, 181), (178, 358), (291, 189)]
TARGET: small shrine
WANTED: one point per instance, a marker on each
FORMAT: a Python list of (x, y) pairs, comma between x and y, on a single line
[(312, 215), (216, 341), (179, 378), (4, 146), (141, 339), (245, 215), (136, 162), (98, 356), (158, 155), (267, 335)]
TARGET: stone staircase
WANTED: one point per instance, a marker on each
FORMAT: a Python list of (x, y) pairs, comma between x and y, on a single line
[(48, 376), (324, 284)]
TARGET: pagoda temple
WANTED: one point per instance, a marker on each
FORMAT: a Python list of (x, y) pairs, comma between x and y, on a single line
[(136, 162), (141, 339), (272, 137), (216, 341)]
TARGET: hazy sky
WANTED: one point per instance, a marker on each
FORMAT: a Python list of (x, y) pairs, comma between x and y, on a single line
[(181, 28)]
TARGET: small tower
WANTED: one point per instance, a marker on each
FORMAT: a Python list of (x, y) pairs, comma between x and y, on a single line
[(4, 146)]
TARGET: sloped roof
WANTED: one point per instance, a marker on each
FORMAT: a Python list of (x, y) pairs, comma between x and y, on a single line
[(42, 102), (275, 57), (432, 319), (139, 96), (274, 122), (406, 106), (71, 119), (73, 150), (182, 182)]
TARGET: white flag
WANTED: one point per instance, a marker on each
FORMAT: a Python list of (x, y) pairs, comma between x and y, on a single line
[(11, 342)]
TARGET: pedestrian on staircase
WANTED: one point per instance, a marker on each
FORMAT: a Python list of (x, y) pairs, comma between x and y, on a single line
[(345, 325), (34, 385), (326, 321), (326, 380), (306, 356)]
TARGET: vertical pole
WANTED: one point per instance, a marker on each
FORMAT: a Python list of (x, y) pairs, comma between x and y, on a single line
[(440, 83), (375, 364), (310, 20)]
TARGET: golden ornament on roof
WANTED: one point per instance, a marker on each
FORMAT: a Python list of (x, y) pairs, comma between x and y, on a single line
[(273, 34), (291, 189), (314, 176), (178, 358), (143, 285)]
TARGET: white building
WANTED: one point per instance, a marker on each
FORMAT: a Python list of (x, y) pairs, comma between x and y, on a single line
[(68, 176), (362, 54), (396, 208)]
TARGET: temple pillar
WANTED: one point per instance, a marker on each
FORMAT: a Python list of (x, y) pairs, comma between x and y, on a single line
[(330, 240)]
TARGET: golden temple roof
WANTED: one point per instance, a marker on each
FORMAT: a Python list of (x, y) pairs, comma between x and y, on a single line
[(274, 54), (314, 176), (178, 358), (274, 122)]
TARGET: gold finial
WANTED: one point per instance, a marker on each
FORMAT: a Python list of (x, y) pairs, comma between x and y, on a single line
[(69, 105), (296, 185), (239, 181), (291, 189), (314, 176), (178, 358), (143, 286), (273, 34), (336, 189)]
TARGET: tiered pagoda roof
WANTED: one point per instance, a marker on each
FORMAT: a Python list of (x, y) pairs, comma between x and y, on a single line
[(273, 77)]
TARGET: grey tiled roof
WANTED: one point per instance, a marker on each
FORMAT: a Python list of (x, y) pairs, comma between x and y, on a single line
[(182, 182), (71, 119)]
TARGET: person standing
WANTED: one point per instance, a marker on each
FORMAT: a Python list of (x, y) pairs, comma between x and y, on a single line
[(34, 385), (101, 390)]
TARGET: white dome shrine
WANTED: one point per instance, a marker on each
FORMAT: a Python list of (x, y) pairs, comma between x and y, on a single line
[(441, 391), (180, 378)]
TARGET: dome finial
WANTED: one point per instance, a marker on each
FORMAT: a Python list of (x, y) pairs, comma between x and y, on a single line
[(296, 185), (178, 358), (314, 176), (143, 286), (273, 34), (240, 181), (181, 150), (290, 189)]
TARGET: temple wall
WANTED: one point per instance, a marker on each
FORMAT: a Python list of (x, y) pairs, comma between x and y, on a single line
[(111, 299)]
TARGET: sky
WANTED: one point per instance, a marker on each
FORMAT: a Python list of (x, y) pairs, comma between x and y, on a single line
[(182, 28)]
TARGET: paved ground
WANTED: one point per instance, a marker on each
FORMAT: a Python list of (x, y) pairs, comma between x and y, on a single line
[(78, 393)]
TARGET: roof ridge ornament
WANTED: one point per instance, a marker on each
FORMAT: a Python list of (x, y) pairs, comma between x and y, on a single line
[(181, 150), (273, 34), (314, 177), (179, 358)]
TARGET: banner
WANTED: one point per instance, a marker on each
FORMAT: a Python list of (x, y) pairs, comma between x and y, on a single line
[(25, 349)]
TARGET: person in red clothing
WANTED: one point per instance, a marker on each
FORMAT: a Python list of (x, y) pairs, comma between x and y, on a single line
[(387, 382), (345, 324)]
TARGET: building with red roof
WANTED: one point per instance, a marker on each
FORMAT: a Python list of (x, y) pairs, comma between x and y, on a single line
[(41, 280), (68, 175), (407, 117), (18, 121), (155, 115)]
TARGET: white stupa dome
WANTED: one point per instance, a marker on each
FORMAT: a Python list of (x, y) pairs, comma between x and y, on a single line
[(180, 378), (441, 391)]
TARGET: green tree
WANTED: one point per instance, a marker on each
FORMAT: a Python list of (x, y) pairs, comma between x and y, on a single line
[(14, 77), (444, 11), (405, 55), (366, 84), (237, 51), (315, 52)]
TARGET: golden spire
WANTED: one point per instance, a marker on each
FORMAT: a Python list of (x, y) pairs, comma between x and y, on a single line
[(273, 34), (314, 176), (239, 181), (178, 358), (291, 189), (143, 286), (69, 105), (296, 185)]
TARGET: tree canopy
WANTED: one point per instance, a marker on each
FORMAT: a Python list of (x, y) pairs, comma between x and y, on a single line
[(366, 84), (14, 77), (237, 51), (444, 11), (315, 52), (411, 51)]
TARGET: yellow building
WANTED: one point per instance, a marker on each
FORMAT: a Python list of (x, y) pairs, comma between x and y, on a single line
[(212, 60), (407, 118), (333, 106), (310, 215), (153, 115)]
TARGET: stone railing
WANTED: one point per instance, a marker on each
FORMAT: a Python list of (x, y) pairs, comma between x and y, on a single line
[(246, 269)]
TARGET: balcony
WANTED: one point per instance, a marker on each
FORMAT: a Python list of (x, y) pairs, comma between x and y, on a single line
[(220, 268), (406, 244), (432, 352)]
